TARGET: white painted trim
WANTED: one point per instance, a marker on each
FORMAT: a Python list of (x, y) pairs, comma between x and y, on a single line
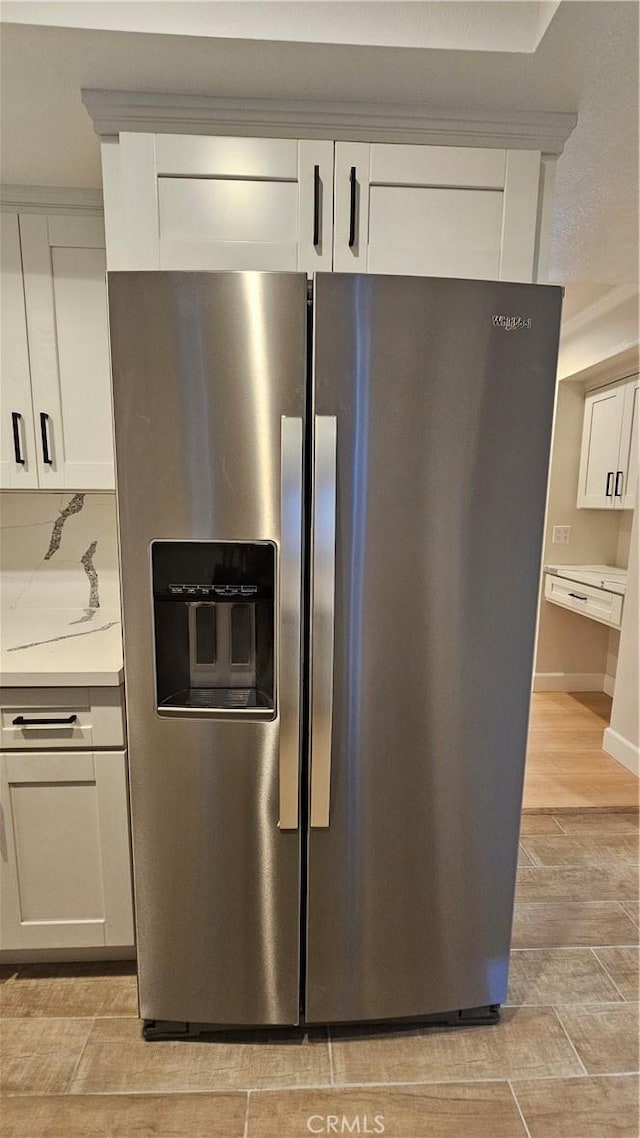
[(49, 199), (568, 681), (609, 684), (623, 365), (545, 218), (604, 334), (75, 955), (622, 750), (115, 111), (599, 308)]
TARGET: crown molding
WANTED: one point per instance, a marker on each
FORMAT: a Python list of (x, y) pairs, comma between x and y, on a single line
[(50, 199), (116, 111)]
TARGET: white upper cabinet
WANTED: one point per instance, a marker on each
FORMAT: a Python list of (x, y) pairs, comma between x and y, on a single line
[(193, 202), (65, 292), (608, 459), (66, 428), (18, 462), (436, 210), (198, 202), (626, 488)]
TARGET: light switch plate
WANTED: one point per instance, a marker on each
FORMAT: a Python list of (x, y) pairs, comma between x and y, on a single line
[(561, 535)]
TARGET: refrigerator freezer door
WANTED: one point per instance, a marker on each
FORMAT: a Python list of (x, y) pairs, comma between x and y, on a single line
[(443, 406), (209, 389)]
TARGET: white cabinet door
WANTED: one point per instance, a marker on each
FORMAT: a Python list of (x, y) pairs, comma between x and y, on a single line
[(436, 210), (626, 487), (65, 865), (599, 455), (65, 292), (18, 464), (198, 202)]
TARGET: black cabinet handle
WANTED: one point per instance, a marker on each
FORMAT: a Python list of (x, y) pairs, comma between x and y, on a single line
[(16, 419), (46, 455), (579, 596), (618, 487), (607, 492), (352, 207), (65, 721), (316, 206)]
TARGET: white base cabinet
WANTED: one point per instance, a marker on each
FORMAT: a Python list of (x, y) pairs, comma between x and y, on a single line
[(65, 870)]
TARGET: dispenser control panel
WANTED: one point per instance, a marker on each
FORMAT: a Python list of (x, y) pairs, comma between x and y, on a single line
[(214, 592)]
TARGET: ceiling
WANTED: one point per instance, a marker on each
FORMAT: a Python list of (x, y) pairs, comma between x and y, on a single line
[(465, 25), (586, 61)]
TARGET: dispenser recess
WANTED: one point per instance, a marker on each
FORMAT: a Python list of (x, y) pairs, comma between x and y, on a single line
[(214, 628)]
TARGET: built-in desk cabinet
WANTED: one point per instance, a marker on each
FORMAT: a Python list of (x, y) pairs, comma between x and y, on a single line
[(608, 474), (56, 429), (206, 202)]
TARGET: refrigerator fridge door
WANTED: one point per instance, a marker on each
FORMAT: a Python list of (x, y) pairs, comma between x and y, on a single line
[(433, 410), (209, 395)]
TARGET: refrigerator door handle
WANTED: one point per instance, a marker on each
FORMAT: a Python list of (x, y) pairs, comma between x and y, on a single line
[(322, 615), (290, 646)]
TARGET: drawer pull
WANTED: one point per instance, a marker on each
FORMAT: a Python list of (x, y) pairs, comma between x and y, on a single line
[(65, 721), (579, 596)]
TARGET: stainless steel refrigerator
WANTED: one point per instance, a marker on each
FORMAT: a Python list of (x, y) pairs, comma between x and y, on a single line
[(331, 502)]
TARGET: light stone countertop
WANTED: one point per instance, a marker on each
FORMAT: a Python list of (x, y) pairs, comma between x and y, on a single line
[(65, 647), (608, 577)]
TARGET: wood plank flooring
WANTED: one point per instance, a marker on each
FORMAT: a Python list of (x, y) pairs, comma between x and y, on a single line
[(560, 1064), (566, 766)]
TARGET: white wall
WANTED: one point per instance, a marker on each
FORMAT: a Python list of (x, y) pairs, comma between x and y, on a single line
[(572, 650), (621, 739)]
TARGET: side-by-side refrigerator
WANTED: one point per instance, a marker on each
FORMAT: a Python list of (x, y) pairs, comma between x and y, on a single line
[(331, 502)]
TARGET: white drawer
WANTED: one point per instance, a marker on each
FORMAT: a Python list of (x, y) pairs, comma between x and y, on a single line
[(47, 718), (598, 604)]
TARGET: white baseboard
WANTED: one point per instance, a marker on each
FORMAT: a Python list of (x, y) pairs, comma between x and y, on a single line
[(71, 955), (609, 684), (569, 681), (622, 750)]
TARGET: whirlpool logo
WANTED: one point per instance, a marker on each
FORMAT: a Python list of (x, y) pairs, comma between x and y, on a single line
[(512, 323)]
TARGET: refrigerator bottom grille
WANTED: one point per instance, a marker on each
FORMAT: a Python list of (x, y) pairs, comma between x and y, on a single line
[(159, 1029)]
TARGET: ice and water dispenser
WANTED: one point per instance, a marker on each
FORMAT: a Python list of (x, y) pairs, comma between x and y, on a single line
[(214, 616)]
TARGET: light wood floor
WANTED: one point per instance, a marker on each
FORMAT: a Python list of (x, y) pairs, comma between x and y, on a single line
[(566, 766)]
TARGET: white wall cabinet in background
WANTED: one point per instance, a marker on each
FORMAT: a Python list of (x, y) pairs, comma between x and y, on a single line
[(61, 388), (608, 472), (216, 202), (65, 864), (436, 210), (200, 202)]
